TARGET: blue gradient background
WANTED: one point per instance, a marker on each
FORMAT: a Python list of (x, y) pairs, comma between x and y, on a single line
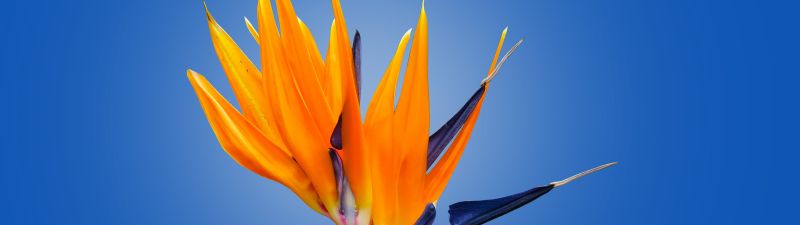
[(696, 99)]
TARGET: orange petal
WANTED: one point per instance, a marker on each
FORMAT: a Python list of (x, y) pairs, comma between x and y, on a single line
[(313, 50), (497, 51), (302, 63), (411, 126), (252, 30), (294, 120), (342, 40), (248, 146), (340, 49), (245, 80), (356, 153), (378, 128), (332, 79)]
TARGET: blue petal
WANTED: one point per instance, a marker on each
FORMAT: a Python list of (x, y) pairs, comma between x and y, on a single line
[(479, 212), (357, 61), (347, 210), (439, 140), (338, 169), (427, 216), (336, 136)]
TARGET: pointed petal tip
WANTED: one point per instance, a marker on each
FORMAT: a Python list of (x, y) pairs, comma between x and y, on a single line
[(192, 74), (195, 78), (208, 13), (582, 174)]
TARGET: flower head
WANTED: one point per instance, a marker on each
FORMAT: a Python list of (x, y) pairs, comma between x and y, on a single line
[(300, 123)]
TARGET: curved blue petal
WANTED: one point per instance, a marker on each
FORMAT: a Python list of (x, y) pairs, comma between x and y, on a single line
[(338, 169), (336, 136), (439, 140), (357, 61), (479, 212), (347, 210), (427, 216)]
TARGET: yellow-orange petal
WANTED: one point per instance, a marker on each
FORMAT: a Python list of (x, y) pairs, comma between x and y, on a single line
[(356, 152), (299, 58), (313, 50), (411, 126), (497, 51), (332, 78), (245, 79), (295, 122), (252, 29), (248, 146), (378, 129), (342, 41)]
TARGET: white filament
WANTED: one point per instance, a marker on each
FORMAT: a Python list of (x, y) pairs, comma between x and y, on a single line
[(502, 61), (584, 173)]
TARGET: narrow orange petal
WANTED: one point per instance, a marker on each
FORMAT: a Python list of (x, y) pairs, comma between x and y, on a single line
[(356, 152), (332, 79), (312, 49), (342, 40), (497, 51), (378, 128), (245, 80), (248, 146), (295, 122), (381, 108), (411, 126), (301, 62), (252, 30)]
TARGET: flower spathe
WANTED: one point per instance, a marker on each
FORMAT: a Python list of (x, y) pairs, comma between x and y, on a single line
[(300, 123)]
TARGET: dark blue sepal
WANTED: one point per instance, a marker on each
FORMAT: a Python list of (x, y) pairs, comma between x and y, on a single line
[(479, 212), (357, 62), (336, 136), (338, 169), (427, 216), (439, 140)]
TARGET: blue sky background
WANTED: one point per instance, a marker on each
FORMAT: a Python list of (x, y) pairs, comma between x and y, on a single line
[(697, 100)]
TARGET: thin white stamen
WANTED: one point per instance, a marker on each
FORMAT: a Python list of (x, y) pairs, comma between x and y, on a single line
[(502, 61), (584, 173)]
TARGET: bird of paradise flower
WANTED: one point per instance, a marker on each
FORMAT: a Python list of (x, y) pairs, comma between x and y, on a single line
[(300, 124)]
